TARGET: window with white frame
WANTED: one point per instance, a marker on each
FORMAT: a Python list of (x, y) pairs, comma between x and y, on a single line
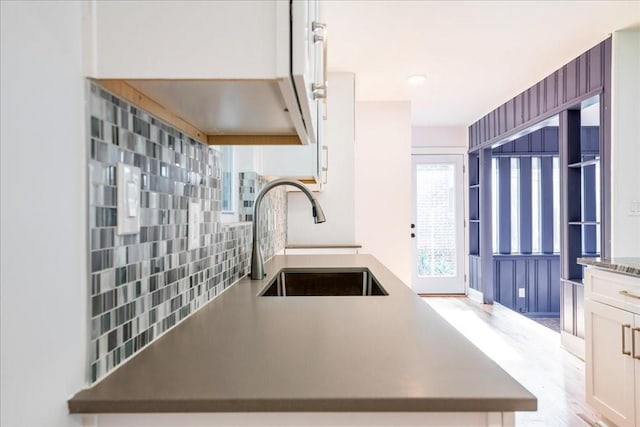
[(536, 206), (228, 179), (537, 193), (556, 204), (515, 204), (495, 176)]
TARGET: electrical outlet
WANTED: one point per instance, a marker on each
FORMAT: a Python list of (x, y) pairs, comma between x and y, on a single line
[(521, 293)]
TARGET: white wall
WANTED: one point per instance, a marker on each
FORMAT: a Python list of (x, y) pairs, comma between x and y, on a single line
[(43, 213), (383, 183), (337, 197), (625, 144), (441, 137), (247, 158)]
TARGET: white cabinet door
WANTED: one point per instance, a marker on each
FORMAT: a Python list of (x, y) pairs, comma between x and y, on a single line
[(609, 365), (312, 161), (298, 162), (636, 363), (307, 40), (225, 67), (188, 40)]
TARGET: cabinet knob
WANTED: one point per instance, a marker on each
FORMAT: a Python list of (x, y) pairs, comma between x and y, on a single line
[(413, 235)]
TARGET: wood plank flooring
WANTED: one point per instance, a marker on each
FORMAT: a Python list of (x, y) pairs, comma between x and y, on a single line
[(529, 352)]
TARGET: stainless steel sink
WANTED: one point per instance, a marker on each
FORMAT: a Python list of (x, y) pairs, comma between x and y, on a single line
[(323, 282)]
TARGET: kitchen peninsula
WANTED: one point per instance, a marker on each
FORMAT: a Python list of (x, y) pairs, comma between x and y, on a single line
[(243, 353)]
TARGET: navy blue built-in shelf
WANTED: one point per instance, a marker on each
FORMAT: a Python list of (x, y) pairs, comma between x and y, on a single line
[(585, 203), (585, 163)]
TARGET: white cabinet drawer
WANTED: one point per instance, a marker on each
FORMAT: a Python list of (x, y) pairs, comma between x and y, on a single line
[(614, 289)]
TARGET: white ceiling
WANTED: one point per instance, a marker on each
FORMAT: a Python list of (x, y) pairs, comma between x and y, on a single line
[(476, 54)]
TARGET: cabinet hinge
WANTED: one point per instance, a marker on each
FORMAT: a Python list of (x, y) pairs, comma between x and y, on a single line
[(465, 278)]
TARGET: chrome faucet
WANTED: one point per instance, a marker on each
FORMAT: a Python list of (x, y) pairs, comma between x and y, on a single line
[(257, 264)]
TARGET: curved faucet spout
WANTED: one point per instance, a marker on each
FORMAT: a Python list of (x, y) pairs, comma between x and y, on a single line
[(257, 264)]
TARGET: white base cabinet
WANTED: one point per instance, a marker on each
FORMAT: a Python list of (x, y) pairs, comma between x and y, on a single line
[(612, 358), (324, 419)]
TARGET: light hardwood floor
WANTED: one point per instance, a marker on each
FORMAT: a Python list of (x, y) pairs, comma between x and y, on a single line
[(530, 353)]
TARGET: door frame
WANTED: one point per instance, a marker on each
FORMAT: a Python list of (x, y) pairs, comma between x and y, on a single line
[(446, 151)]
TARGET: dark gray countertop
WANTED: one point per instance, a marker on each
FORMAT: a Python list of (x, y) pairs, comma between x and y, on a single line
[(323, 246), (243, 353), (629, 266)]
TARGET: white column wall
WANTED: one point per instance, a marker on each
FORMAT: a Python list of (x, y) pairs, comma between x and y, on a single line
[(383, 183), (43, 213), (625, 144)]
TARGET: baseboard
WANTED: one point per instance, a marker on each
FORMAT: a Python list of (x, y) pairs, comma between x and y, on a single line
[(572, 344), (475, 295)]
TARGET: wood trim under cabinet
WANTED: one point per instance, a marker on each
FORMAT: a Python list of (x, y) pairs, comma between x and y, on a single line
[(253, 140), (121, 88)]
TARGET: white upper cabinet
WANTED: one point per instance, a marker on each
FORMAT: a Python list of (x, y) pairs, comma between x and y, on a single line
[(226, 68), (311, 164)]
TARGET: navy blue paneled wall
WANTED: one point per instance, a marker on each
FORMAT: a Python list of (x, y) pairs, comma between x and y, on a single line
[(585, 75), (542, 143), (528, 283), (525, 281)]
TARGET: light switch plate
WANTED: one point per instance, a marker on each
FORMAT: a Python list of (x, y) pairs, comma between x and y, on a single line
[(128, 198), (193, 230), (521, 292)]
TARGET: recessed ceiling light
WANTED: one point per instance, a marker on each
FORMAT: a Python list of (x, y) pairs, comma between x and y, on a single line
[(418, 79)]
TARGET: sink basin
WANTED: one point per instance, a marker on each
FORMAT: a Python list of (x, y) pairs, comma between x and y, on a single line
[(320, 282)]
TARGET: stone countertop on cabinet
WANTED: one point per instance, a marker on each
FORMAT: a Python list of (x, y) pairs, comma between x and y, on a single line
[(629, 266), (245, 353), (323, 246)]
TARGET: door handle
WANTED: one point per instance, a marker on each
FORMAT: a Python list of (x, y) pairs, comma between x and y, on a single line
[(633, 344), (626, 353)]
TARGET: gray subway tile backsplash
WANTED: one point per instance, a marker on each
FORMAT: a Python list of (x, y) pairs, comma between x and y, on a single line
[(142, 284)]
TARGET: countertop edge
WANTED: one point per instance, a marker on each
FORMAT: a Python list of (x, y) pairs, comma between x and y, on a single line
[(444, 404), (324, 246), (617, 266)]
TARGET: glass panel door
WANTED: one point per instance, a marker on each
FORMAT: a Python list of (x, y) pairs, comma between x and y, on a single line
[(438, 252)]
